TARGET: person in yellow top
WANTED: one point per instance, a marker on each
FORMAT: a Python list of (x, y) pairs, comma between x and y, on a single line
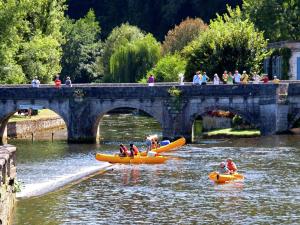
[(244, 77), (276, 80)]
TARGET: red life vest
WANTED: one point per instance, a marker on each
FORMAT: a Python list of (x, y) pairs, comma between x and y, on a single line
[(135, 149), (231, 166), (125, 150)]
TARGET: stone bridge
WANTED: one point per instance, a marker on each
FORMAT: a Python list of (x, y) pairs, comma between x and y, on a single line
[(271, 107)]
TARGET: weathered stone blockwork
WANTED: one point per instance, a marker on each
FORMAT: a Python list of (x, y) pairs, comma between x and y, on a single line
[(7, 176), (82, 106)]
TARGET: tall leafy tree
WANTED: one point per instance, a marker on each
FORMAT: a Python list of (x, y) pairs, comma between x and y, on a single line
[(181, 35), (82, 49), (279, 19), (230, 43), (119, 37), (30, 39), (130, 62)]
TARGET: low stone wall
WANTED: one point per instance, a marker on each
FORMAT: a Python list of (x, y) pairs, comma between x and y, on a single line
[(24, 128), (212, 123), (7, 176)]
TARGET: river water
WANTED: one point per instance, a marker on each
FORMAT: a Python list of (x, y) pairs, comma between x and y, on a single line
[(177, 192)]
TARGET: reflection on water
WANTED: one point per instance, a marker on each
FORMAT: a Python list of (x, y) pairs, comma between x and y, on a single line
[(177, 192)]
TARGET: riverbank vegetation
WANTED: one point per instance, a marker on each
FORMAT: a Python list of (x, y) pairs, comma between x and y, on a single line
[(125, 41)]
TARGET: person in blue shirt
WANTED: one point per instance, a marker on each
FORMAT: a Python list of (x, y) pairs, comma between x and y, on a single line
[(197, 78), (205, 78)]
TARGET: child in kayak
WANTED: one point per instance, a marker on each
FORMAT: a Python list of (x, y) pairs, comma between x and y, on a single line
[(231, 165), (133, 150), (223, 169)]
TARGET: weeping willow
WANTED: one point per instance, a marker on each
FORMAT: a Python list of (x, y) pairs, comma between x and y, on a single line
[(130, 63)]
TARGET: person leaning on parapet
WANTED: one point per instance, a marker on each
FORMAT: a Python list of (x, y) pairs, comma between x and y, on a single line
[(68, 82), (216, 79), (35, 82), (245, 77), (225, 77), (204, 79), (151, 80), (197, 78), (57, 82), (229, 78), (237, 77), (276, 80), (256, 78)]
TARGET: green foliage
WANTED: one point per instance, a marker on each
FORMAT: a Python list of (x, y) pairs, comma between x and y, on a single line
[(118, 38), (286, 54), (130, 62), (82, 51), (237, 121), (279, 19), (174, 92), (30, 39), (230, 43), (168, 68), (182, 34)]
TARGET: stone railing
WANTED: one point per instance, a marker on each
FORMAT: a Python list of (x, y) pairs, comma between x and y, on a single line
[(7, 184)]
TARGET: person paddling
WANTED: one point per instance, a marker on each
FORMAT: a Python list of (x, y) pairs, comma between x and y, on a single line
[(231, 165), (133, 150), (223, 169), (124, 151)]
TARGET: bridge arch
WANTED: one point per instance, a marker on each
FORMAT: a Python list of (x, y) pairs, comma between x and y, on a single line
[(247, 116), (10, 108), (147, 110)]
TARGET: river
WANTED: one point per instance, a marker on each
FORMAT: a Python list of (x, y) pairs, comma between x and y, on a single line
[(177, 192)]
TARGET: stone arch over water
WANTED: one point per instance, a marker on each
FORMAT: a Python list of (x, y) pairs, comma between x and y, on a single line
[(9, 108)]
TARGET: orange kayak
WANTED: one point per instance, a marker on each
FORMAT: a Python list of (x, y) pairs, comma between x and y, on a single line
[(138, 159), (224, 178), (172, 146)]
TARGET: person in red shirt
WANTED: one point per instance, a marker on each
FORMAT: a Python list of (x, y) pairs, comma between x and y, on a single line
[(231, 165), (57, 82), (265, 79)]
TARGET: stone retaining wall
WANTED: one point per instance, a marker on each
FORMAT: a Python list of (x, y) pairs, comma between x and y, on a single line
[(7, 182), (24, 128), (212, 123)]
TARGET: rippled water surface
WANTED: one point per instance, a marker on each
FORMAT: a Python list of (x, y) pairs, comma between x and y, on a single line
[(177, 192)]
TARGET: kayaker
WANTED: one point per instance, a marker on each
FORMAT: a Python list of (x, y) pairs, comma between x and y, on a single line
[(133, 150), (124, 151), (223, 169), (231, 165), (148, 143)]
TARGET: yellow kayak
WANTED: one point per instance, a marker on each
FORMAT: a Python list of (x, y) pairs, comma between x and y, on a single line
[(172, 146), (224, 178), (138, 159)]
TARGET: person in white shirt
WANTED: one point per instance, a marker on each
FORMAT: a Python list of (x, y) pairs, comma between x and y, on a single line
[(216, 79), (237, 77), (35, 82), (256, 78)]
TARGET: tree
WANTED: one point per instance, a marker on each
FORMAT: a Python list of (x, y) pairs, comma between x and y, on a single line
[(279, 19), (119, 37), (181, 35), (230, 43), (130, 62), (30, 39), (82, 50), (168, 68)]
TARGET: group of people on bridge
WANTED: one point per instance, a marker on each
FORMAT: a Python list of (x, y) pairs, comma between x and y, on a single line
[(57, 82), (229, 78)]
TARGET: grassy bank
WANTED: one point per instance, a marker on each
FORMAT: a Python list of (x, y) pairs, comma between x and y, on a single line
[(43, 114), (229, 132)]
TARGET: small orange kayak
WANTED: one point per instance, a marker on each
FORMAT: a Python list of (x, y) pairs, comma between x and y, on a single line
[(224, 178), (172, 146), (138, 159)]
